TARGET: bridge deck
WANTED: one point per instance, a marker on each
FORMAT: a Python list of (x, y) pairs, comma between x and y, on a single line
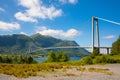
[(62, 47), (68, 47)]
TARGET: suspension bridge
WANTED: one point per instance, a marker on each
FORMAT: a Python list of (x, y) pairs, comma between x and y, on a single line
[(94, 26)]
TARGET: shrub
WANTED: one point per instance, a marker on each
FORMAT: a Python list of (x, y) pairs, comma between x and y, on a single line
[(57, 57), (95, 53), (63, 57), (106, 59), (16, 59), (86, 60), (51, 57)]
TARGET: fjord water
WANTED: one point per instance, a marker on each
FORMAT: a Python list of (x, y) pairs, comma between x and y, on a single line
[(45, 58)]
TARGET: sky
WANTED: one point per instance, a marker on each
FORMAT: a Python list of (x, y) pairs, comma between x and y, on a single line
[(63, 19)]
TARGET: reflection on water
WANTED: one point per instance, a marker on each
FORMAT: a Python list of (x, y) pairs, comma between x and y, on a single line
[(45, 58)]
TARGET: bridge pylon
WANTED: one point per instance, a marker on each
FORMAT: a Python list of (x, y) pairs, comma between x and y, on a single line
[(95, 23)]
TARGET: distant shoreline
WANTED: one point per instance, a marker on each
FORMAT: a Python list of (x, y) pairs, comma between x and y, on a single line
[(41, 59)]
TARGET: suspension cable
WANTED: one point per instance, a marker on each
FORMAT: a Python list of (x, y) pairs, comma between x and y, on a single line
[(108, 21)]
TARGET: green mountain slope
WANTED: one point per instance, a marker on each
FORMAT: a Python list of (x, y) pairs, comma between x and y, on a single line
[(14, 44), (22, 44), (44, 41)]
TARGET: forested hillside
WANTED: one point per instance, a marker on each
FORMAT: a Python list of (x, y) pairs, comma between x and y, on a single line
[(22, 44)]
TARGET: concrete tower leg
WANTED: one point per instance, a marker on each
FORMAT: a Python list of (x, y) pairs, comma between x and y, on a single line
[(92, 34), (97, 34)]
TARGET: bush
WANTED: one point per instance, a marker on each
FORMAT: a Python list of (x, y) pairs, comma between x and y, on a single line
[(100, 59), (86, 60), (57, 57), (95, 53), (62, 57), (114, 59), (16, 59), (106, 59), (51, 57)]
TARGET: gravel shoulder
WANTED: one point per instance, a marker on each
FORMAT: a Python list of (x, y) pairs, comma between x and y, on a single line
[(74, 73)]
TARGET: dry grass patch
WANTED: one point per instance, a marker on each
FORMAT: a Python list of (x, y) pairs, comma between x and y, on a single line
[(69, 74), (82, 69), (100, 70)]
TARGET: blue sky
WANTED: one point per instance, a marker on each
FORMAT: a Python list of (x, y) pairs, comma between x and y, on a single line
[(64, 19)]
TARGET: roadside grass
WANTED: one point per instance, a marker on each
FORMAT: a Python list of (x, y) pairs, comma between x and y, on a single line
[(100, 70), (26, 70), (69, 74), (82, 69)]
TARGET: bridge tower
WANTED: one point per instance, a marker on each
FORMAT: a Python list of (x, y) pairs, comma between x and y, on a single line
[(95, 23)]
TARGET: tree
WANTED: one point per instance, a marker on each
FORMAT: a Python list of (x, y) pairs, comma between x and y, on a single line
[(86, 60), (1, 60), (115, 50), (57, 57), (14, 59), (95, 52), (22, 60), (30, 59), (64, 57), (51, 57), (7, 59)]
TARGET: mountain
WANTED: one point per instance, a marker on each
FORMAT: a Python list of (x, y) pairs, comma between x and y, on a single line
[(24, 45), (14, 44)]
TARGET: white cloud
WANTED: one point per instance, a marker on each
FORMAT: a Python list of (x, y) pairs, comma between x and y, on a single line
[(109, 37), (72, 1), (58, 33), (35, 9), (23, 17), (63, 1), (68, 1), (23, 33), (1, 9), (9, 26)]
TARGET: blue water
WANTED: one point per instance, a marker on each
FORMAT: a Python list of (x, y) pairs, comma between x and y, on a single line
[(75, 58), (40, 59), (45, 58)]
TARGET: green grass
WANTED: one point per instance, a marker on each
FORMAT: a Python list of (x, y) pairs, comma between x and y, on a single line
[(100, 59)]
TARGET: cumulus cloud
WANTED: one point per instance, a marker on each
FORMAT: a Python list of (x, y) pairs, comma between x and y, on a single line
[(1, 9), (72, 1), (9, 26), (58, 33), (109, 37), (68, 1), (36, 9), (23, 33), (24, 17)]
